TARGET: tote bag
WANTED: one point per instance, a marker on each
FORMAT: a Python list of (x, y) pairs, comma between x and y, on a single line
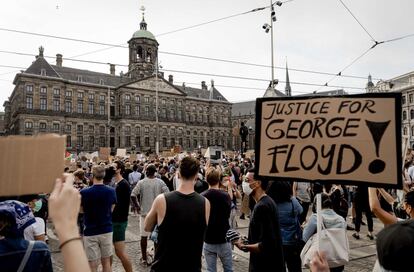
[(333, 242)]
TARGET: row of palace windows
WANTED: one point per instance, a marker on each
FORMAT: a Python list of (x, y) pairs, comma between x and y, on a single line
[(68, 93), (410, 99), (68, 106), (405, 131), (68, 127), (80, 143), (404, 115)]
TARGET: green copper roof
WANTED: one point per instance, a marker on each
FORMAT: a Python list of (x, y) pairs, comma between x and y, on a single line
[(143, 34)]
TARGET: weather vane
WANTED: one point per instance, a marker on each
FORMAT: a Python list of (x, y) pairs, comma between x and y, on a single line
[(143, 10)]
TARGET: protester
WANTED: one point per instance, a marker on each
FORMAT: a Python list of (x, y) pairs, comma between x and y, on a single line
[(301, 190), (264, 241), (98, 201), (362, 206), (145, 192), (215, 244), (395, 247), (289, 215), (330, 219), (182, 218), (15, 217), (36, 231), (64, 203), (120, 215), (388, 218)]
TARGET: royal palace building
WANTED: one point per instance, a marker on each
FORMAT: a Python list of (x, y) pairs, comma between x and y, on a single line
[(97, 110)]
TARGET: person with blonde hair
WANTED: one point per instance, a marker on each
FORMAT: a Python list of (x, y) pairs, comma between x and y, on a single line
[(215, 244)]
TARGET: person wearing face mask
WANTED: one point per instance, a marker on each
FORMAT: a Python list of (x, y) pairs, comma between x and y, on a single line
[(264, 241), (36, 231), (388, 218)]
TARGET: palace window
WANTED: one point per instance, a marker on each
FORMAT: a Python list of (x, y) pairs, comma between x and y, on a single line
[(56, 127), (102, 109), (56, 105), (29, 102), (90, 108), (80, 107), (43, 90), (68, 93), (56, 91), (29, 89), (127, 109), (42, 126), (68, 106), (43, 103), (28, 125)]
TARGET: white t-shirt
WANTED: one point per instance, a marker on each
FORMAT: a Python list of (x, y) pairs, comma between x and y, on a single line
[(35, 229)]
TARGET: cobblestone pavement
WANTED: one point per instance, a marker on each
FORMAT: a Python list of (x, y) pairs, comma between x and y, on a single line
[(362, 251)]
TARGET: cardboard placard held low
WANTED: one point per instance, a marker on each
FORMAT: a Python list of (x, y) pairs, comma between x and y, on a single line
[(30, 165)]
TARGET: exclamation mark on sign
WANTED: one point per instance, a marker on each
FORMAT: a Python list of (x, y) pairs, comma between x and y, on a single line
[(377, 130)]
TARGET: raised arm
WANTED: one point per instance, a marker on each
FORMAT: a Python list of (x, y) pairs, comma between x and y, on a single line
[(385, 217), (64, 203)]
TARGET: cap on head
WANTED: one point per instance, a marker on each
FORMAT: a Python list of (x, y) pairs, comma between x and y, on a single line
[(395, 246)]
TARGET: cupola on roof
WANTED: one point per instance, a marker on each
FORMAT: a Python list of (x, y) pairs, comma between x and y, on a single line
[(143, 32)]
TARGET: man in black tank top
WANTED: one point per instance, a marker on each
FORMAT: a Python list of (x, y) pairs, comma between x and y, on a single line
[(182, 218)]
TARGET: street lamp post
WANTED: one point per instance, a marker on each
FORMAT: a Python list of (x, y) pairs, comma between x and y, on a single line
[(272, 15), (157, 145), (268, 28)]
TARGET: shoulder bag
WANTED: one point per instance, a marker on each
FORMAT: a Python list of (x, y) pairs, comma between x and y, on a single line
[(333, 242)]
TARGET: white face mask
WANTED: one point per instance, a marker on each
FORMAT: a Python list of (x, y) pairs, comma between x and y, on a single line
[(246, 188)]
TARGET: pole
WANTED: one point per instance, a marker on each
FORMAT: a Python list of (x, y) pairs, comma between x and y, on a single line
[(271, 44), (157, 146), (109, 116)]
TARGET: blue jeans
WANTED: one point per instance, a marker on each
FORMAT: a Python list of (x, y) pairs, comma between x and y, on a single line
[(223, 251)]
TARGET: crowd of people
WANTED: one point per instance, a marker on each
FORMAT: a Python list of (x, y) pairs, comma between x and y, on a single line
[(189, 209)]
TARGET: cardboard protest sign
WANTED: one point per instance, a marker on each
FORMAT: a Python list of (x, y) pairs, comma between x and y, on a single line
[(351, 139), (176, 149), (104, 153), (30, 165), (214, 153), (133, 157), (121, 152)]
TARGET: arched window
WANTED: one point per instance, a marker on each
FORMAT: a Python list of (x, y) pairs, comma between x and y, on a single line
[(149, 55), (139, 53), (412, 114), (404, 115), (405, 131), (412, 131)]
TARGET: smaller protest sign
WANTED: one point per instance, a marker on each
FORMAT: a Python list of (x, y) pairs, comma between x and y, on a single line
[(104, 153), (177, 149), (121, 152), (133, 157)]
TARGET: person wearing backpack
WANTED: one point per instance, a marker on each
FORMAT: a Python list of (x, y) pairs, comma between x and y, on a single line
[(16, 253), (289, 211)]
